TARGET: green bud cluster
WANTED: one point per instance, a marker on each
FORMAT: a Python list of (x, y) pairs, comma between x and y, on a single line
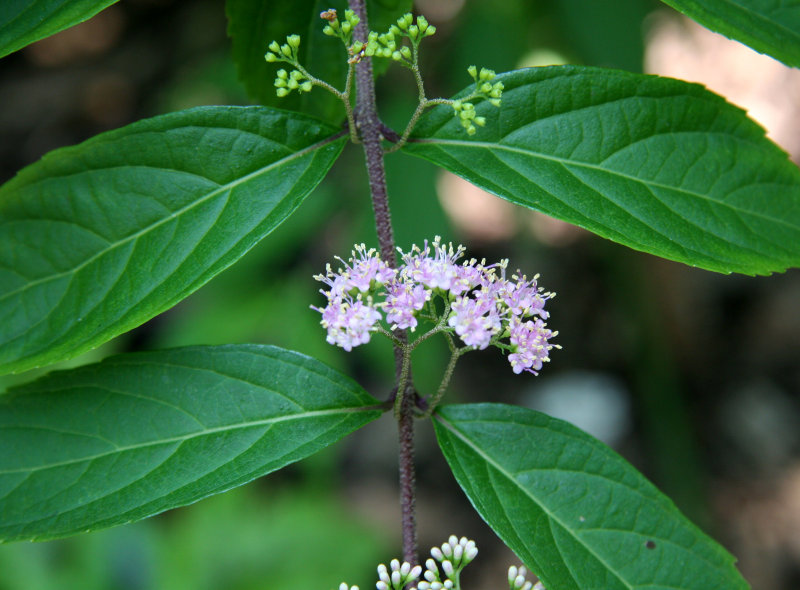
[(285, 81), (465, 111), (390, 44), (286, 52), (288, 81), (343, 30), (484, 86), (484, 89)]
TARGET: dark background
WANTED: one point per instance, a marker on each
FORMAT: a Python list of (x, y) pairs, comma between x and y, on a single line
[(693, 376)]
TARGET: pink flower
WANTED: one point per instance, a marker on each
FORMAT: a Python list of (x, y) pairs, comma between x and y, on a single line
[(530, 343), (349, 322), (483, 306), (475, 320), (403, 299)]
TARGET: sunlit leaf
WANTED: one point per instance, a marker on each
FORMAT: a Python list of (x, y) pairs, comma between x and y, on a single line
[(138, 434), (96, 239), (656, 164), (573, 510)]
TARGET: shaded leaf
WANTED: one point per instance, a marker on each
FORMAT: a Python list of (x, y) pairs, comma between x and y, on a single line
[(24, 21), (573, 510), (253, 25), (656, 164), (98, 238), (138, 434), (765, 25)]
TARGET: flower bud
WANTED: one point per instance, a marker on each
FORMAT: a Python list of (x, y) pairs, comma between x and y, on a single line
[(293, 41), (270, 57), (351, 17)]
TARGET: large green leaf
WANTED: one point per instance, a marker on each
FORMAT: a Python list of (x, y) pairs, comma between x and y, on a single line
[(24, 21), (97, 238), (659, 165), (765, 25), (138, 434), (574, 511), (253, 25)]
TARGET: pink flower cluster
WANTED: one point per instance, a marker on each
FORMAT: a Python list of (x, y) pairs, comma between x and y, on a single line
[(483, 307)]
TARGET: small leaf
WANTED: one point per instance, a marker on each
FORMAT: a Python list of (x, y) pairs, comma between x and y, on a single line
[(96, 239), (656, 164), (765, 25), (573, 510), (253, 25), (138, 434), (24, 21)]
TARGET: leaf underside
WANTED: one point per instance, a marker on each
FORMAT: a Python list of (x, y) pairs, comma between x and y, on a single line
[(656, 164), (765, 25), (96, 239), (24, 21), (141, 433), (576, 513)]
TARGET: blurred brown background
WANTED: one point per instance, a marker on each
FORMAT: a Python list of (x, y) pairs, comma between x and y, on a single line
[(692, 376)]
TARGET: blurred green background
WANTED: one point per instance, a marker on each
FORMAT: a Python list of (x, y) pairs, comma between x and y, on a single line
[(694, 377)]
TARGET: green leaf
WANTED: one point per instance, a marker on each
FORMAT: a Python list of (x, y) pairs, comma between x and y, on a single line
[(765, 25), (656, 164), (253, 25), (24, 21), (98, 238), (574, 511), (138, 434)]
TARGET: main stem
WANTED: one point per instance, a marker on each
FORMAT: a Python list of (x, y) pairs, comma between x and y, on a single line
[(369, 128)]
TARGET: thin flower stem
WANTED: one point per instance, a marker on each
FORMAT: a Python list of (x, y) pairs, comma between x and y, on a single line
[(402, 384), (343, 96), (455, 354), (368, 128)]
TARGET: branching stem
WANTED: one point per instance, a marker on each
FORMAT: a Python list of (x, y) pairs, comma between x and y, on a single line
[(369, 128)]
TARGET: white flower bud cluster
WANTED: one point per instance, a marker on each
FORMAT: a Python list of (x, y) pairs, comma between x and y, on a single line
[(442, 570), (397, 576), (517, 581), (452, 557)]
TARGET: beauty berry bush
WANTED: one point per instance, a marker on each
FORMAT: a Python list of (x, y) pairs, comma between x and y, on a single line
[(97, 238)]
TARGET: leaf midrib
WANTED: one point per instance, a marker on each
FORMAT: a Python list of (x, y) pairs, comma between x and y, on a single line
[(174, 215), (192, 435), (490, 461), (578, 164)]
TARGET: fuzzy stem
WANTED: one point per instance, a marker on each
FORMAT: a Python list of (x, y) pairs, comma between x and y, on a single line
[(369, 129), (455, 354)]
